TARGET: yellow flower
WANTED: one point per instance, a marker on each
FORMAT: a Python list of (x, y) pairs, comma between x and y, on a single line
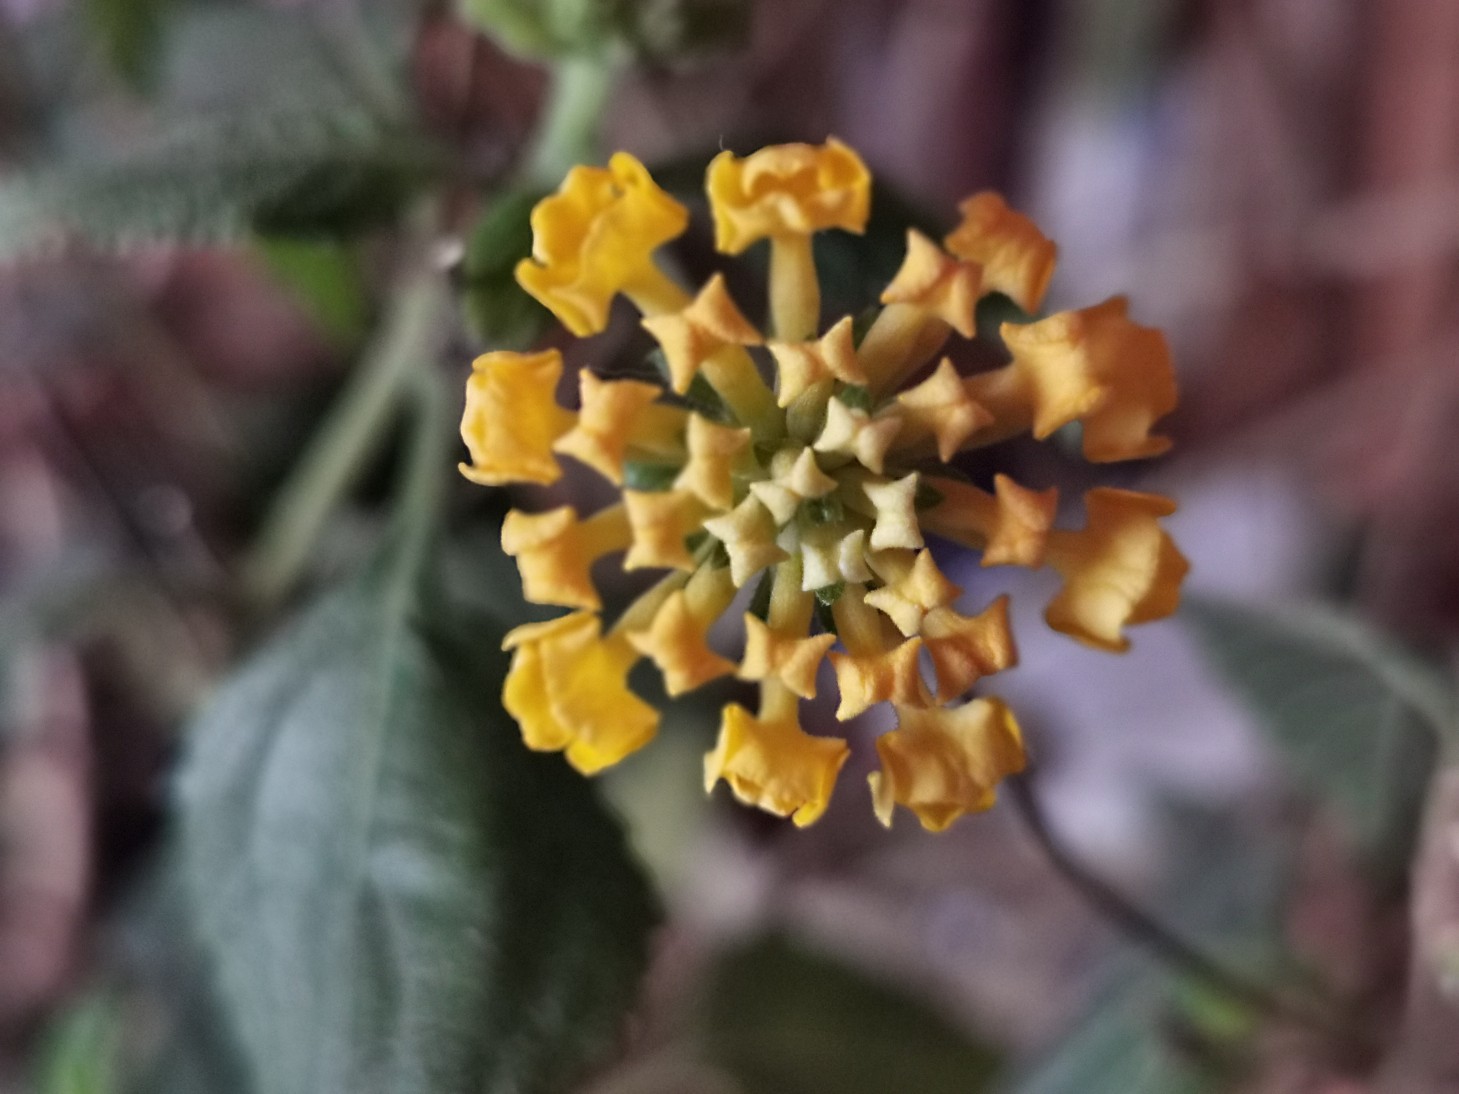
[(776, 765), (707, 325), (944, 762), (1096, 367), (787, 189), (1016, 258), (568, 690), (512, 419), (616, 416), (595, 238), (1121, 568), (677, 640), (555, 552), (823, 490)]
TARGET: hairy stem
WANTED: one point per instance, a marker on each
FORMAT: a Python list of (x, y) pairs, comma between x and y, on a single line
[(354, 430), (1149, 932)]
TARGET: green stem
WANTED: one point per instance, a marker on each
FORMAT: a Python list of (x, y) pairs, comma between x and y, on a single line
[(568, 132), (353, 432), (422, 480)]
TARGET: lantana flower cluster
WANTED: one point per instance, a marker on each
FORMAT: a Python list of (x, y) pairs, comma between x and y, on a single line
[(819, 487)]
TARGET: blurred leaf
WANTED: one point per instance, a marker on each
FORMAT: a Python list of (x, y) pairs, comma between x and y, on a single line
[(324, 276), (176, 1038), (1121, 1048), (1151, 1030), (1354, 714), (130, 34), (545, 28), (500, 312), (236, 58), (290, 172), (79, 1053), (397, 894), (669, 29), (660, 30), (786, 1021)]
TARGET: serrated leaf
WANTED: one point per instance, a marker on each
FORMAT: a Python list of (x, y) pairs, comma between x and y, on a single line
[(215, 180), (397, 895), (1354, 714)]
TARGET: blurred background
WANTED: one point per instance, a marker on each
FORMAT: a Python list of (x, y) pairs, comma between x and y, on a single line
[(1273, 182)]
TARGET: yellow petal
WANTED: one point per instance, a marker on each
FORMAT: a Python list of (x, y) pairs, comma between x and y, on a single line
[(894, 505), (748, 534), (594, 238), (786, 189), (1010, 527), (615, 416), (801, 473), (830, 555), (941, 407), (1097, 367), (802, 365), (964, 649), (512, 418), (914, 585), (794, 477), (661, 521), (706, 326), (775, 765), (568, 690), (944, 762), (1017, 258), (890, 676), (715, 451), (937, 283), (555, 552), (678, 639), (853, 432), (1121, 568), (791, 658)]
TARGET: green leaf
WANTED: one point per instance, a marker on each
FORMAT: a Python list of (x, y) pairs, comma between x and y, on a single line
[(501, 313), (396, 894), (289, 172), (1120, 1047), (79, 1054), (325, 277), (787, 1021), (130, 34), (1353, 713), (649, 476), (175, 1037)]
